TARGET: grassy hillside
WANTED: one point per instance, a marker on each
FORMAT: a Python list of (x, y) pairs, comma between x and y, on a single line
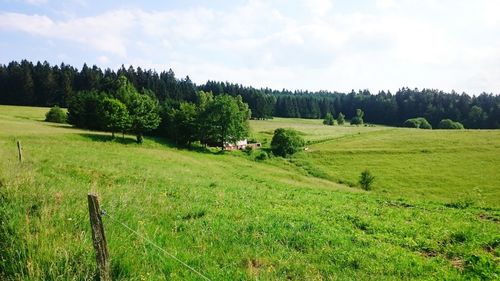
[(434, 214)]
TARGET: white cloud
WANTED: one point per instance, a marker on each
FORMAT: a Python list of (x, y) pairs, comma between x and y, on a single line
[(262, 43), (103, 33)]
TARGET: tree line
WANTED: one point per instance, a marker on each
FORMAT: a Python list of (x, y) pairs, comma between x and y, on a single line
[(40, 84), (209, 120)]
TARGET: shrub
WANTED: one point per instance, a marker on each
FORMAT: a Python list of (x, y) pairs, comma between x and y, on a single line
[(329, 119), (56, 115), (261, 156), (286, 142), (341, 119), (248, 150), (366, 179), (412, 123), (419, 122), (425, 124), (450, 124), (358, 119)]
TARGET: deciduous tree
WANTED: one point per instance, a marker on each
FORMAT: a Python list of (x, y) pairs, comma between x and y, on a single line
[(143, 115), (114, 115)]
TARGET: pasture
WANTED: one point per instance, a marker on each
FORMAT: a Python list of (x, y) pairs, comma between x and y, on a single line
[(434, 212)]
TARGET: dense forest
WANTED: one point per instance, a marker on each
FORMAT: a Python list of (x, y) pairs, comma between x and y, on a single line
[(41, 84)]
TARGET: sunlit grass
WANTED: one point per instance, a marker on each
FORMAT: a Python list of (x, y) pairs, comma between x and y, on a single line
[(234, 218)]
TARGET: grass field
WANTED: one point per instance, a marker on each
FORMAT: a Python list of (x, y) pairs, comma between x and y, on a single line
[(434, 212)]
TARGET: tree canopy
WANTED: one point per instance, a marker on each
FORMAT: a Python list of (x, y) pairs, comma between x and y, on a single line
[(40, 84), (144, 115), (286, 142), (114, 115), (225, 120)]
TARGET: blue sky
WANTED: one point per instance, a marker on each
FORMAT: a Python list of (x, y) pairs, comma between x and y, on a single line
[(302, 44)]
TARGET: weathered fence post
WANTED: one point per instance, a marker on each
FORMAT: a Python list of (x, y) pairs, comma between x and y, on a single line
[(100, 244), (20, 151)]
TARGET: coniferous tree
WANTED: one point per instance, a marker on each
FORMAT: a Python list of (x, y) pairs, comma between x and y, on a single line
[(23, 83), (358, 119), (329, 119), (341, 119)]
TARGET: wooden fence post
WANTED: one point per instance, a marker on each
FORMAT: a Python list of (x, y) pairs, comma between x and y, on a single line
[(20, 151), (100, 244)]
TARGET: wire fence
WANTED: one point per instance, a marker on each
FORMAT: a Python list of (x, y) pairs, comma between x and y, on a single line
[(149, 241)]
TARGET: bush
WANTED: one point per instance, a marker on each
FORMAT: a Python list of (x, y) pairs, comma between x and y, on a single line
[(412, 123), (341, 119), (286, 142), (419, 122), (366, 179), (449, 124), (248, 150), (425, 124), (261, 156), (56, 115), (358, 119), (329, 119)]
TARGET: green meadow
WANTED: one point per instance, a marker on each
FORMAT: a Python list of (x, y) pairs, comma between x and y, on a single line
[(434, 212)]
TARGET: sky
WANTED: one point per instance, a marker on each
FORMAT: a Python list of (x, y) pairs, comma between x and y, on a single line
[(303, 44)]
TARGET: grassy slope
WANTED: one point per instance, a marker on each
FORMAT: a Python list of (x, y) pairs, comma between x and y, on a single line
[(234, 218)]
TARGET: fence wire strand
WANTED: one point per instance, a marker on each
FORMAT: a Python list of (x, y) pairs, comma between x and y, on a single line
[(104, 213)]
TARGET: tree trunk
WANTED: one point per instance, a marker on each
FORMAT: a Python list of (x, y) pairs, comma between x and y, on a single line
[(113, 134)]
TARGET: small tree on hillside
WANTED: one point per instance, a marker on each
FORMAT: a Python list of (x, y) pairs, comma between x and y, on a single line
[(56, 115), (329, 119), (341, 119), (358, 119), (366, 179), (114, 115), (143, 115), (286, 142)]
